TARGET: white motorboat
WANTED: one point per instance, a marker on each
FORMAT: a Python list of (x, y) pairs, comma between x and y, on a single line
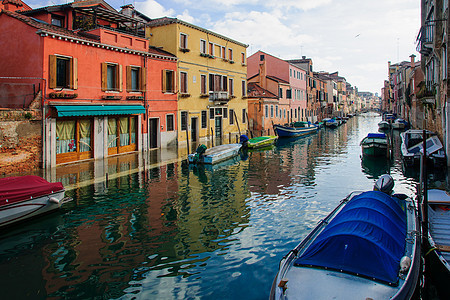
[(215, 154), (412, 145)]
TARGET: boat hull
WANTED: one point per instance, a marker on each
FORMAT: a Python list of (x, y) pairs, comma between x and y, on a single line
[(374, 149), (286, 132), (216, 154), (27, 209), (261, 142)]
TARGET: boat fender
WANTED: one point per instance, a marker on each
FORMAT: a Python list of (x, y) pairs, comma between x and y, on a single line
[(53, 200), (283, 284), (405, 264), (199, 152)]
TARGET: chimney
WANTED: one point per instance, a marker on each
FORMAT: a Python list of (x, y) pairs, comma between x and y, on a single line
[(303, 57), (262, 75), (413, 63)]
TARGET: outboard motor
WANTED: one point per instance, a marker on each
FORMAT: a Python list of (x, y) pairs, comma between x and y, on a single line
[(384, 184), (243, 139), (199, 152)]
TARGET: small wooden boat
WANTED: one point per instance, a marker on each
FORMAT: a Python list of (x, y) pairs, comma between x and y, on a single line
[(438, 253), (286, 131), (204, 155), (368, 247), (261, 141), (384, 125), (330, 123), (412, 145), (375, 144), (25, 197)]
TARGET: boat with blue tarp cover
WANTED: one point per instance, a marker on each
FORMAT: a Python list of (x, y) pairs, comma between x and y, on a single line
[(287, 131), (375, 144), (368, 247)]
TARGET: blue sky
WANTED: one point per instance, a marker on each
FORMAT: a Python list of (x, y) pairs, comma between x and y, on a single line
[(355, 37)]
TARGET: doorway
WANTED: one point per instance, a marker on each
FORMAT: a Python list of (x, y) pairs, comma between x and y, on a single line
[(194, 130), (218, 129), (153, 133)]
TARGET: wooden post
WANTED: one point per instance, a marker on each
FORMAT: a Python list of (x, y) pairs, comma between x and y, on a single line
[(237, 122), (212, 137), (248, 125), (187, 137)]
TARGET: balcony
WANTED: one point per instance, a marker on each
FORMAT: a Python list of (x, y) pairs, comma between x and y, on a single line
[(221, 97), (425, 39)]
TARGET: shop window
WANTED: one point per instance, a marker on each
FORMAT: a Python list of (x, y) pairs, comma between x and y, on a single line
[(73, 140), (122, 134), (136, 79), (111, 77), (168, 81), (63, 72)]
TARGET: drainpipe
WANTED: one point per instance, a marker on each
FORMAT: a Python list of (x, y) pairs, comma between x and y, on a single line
[(145, 105)]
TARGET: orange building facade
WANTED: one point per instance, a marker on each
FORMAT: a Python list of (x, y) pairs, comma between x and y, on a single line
[(100, 86)]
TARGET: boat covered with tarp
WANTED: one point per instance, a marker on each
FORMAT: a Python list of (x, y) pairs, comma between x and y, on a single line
[(24, 197), (375, 144), (368, 247)]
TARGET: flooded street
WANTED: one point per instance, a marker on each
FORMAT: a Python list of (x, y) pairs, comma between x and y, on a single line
[(158, 228)]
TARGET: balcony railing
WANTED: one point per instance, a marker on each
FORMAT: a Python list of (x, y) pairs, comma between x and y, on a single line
[(425, 39), (218, 96)]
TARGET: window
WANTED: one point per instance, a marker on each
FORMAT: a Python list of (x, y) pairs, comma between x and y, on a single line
[(276, 111), (211, 48), (271, 111), (211, 113), (183, 117), (203, 46), (122, 134), (203, 85), (266, 108), (244, 116), (295, 113), (58, 20), (63, 72), (170, 123), (183, 83), (261, 57), (290, 72), (231, 86), (183, 41), (168, 82), (280, 93), (223, 52), (289, 94), (231, 118), (217, 83), (111, 77), (225, 113), (230, 54), (135, 79), (203, 119), (73, 140), (243, 57), (244, 89)]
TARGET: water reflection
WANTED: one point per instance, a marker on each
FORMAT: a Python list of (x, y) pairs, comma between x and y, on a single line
[(172, 230), (374, 167)]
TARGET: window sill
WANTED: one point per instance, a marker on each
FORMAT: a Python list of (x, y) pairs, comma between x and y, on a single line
[(184, 50), (62, 96), (135, 97), (184, 95), (111, 97), (204, 95)]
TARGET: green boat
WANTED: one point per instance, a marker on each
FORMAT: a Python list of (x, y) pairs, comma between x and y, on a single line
[(375, 144), (261, 141)]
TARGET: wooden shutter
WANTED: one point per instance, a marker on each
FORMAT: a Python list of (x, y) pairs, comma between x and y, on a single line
[(104, 76), (52, 71), (128, 75), (143, 79), (119, 78), (73, 83), (163, 81)]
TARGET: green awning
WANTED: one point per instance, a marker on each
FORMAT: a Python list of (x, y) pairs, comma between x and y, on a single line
[(98, 110)]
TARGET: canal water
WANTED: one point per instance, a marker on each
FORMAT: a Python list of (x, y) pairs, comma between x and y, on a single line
[(180, 232)]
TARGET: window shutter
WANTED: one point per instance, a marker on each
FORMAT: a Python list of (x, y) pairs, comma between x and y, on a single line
[(119, 77), (74, 73), (104, 76), (143, 79), (52, 71), (163, 81), (128, 78), (173, 82)]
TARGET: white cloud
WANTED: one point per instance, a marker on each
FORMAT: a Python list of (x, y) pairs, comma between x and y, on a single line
[(153, 9), (185, 16)]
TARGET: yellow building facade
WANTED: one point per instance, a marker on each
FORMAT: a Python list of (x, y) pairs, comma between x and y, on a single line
[(211, 80)]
